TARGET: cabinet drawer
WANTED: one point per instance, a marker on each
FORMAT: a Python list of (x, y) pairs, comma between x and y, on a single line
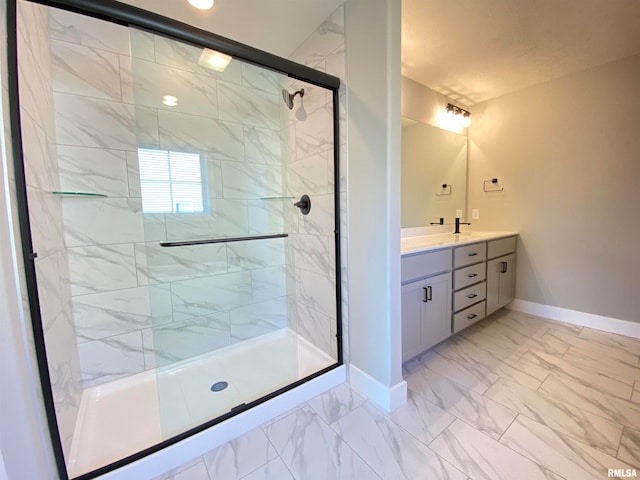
[(424, 264), (468, 316), (463, 256), (469, 296), (497, 248), (469, 275)]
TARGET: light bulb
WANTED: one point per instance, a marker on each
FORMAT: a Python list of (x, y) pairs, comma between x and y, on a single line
[(170, 100), (214, 60), (202, 4)]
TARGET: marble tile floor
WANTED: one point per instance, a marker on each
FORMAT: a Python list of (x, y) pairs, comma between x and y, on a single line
[(514, 396)]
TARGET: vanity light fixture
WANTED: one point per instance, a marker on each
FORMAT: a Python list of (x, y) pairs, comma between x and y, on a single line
[(202, 4), (214, 60), (460, 114), (170, 100)]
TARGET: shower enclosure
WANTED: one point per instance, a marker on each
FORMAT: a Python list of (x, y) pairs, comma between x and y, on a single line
[(179, 219)]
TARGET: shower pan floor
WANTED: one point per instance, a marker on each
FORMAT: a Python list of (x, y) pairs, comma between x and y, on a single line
[(125, 416)]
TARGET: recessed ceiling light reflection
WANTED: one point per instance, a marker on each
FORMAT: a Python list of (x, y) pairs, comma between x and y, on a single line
[(214, 60), (202, 4), (170, 100)]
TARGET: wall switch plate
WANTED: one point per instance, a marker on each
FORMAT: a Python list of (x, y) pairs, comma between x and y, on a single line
[(475, 213), (459, 213)]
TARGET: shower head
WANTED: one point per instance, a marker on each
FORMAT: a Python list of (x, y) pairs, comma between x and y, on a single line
[(288, 97)]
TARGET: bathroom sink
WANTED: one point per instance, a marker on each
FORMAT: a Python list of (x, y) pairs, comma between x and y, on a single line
[(475, 234), (427, 242)]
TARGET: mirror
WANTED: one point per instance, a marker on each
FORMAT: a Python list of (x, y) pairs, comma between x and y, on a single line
[(431, 158)]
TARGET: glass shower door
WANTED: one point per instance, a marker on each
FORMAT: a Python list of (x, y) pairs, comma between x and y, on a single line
[(182, 274), (221, 167)]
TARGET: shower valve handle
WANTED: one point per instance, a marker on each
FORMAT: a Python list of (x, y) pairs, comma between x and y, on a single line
[(304, 204)]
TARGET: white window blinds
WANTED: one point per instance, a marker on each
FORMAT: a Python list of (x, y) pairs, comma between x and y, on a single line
[(171, 182)]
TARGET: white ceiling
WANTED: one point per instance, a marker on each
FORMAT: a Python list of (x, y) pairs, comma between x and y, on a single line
[(276, 26), (469, 50), (474, 50)]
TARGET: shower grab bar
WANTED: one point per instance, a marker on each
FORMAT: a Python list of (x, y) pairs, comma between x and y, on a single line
[(222, 240)]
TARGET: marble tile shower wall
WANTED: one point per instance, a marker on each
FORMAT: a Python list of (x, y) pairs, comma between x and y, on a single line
[(311, 172), (137, 305), (39, 149)]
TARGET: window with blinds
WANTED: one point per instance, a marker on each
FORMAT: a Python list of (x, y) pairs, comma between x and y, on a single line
[(171, 182)]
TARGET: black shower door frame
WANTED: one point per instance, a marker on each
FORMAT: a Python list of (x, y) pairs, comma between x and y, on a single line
[(130, 16)]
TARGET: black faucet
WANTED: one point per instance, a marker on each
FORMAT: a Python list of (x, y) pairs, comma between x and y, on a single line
[(458, 223), (441, 222)]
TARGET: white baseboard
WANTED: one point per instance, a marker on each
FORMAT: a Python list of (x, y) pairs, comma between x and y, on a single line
[(389, 398), (599, 322)]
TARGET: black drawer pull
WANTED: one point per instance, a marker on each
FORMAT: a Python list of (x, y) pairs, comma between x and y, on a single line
[(473, 295), (504, 266), (472, 316), (472, 254), (427, 294), (471, 275)]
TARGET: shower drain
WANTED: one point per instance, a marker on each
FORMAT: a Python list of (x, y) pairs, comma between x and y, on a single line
[(219, 386)]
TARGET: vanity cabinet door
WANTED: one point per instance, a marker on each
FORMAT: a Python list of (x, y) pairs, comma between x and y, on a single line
[(501, 281), (437, 318), (426, 314), (412, 313)]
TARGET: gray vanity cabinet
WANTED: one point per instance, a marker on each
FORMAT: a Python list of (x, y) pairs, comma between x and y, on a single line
[(469, 286), (501, 282), (501, 273), (445, 291), (426, 313), (426, 302)]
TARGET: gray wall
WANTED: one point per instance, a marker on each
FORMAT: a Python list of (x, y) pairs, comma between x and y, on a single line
[(373, 70), (566, 153)]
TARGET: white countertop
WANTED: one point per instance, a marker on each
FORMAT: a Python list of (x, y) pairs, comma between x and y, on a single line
[(425, 243)]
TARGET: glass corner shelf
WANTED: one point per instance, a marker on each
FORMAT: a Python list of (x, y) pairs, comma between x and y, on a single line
[(80, 194)]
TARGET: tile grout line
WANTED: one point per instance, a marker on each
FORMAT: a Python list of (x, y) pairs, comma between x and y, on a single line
[(564, 436), (560, 403), (264, 428), (620, 442), (440, 457), (411, 434), (206, 467), (265, 463), (566, 403), (505, 430), (560, 435), (541, 466), (498, 441), (487, 398), (355, 452), (542, 383), (278, 456), (591, 371)]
